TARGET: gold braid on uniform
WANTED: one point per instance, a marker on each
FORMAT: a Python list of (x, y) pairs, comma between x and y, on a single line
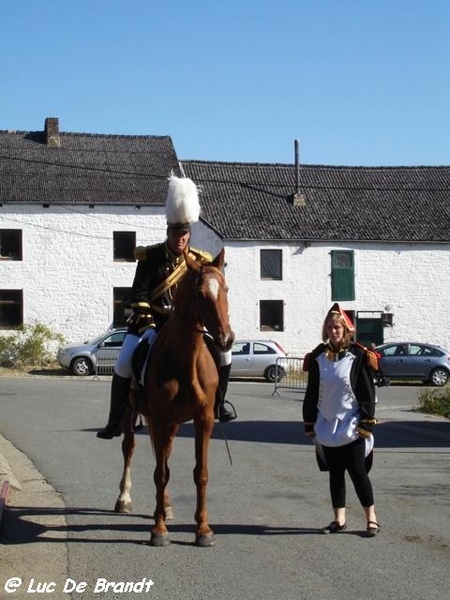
[(371, 357)]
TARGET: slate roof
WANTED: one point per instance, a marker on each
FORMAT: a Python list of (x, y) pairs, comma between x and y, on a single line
[(241, 201), (85, 169), (246, 201)]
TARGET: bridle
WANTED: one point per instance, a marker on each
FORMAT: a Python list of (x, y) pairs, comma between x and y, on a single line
[(198, 320)]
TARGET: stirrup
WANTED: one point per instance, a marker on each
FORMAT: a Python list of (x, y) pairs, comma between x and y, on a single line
[(224, 414)]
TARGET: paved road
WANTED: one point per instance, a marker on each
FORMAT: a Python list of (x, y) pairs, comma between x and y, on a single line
[(265, 509)]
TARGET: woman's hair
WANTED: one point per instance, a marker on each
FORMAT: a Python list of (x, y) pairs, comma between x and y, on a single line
[(348, 335)]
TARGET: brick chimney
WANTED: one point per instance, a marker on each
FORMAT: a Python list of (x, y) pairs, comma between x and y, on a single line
[(51, 132)]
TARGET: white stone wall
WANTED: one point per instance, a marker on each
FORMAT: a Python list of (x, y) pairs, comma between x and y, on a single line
[(411, 281), (68, 274)]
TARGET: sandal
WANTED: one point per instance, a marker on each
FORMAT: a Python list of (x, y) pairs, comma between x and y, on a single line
[(333, 527), (372, 528)]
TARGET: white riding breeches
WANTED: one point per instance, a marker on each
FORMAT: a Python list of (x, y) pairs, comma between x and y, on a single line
[(123, 366)]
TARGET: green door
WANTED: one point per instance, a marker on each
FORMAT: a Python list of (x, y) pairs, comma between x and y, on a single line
[(369, 330)]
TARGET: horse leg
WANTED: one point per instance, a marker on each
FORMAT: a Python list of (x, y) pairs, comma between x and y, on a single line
[(204, 536), (123, 502), (162, 443)]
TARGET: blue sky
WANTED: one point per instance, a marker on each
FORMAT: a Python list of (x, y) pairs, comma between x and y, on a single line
[(358, 82)]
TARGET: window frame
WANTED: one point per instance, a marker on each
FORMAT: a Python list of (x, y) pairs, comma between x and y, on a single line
[(13, 240), (15, 299), (271, 259), (121, 305), (124, 243), (271, 311)]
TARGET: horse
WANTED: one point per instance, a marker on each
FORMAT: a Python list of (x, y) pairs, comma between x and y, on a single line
[(180, 383)]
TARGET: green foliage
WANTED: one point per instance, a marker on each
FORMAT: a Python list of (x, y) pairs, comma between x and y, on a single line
[(435, 402), (29, 345)]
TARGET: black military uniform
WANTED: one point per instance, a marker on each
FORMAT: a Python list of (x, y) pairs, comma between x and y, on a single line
[(154, 285)]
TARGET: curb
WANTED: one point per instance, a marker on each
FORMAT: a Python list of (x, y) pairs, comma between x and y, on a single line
[(3, 498)]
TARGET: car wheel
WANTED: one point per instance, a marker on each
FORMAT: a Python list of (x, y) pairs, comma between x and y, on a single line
[(274, 374), (439, 377), (81, 366)]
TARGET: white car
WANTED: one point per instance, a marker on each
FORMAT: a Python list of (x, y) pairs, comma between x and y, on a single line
[(82, 358), (258, 358)]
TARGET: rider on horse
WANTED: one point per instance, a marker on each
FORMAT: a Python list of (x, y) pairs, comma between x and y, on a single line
[(158, 270)]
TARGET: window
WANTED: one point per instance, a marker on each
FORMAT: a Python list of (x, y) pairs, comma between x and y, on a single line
[(115, 340), (124, 245), (122, 310), (10, 244), (271, 315), (342, 275), (259, 348), (240, 348), (11, 308), (271, 264)]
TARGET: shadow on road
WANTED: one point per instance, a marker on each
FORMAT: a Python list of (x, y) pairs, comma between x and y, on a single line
[(394, 434), (21, 525)]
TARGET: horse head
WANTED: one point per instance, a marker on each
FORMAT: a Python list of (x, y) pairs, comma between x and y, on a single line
[(204, 294)]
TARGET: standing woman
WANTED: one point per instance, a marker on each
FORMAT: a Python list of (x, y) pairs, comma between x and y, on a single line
[(338, 412)]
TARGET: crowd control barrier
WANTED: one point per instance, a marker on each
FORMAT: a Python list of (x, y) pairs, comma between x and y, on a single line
[(290, 374), (106, 359)]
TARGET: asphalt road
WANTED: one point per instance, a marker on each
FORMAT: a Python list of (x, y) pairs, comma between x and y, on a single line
[(265, 508)]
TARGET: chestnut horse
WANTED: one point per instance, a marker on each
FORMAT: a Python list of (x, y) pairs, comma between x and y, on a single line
[(180, 384)]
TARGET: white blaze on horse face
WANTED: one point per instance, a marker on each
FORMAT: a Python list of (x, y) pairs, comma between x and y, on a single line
[(213, 286)]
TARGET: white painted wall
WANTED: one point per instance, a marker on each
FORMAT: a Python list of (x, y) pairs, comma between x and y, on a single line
[(68, 274), (413, 280)]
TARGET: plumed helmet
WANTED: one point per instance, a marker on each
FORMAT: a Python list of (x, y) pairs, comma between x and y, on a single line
[(182, 203)]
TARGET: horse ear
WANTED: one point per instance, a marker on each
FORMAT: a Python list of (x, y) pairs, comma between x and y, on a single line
[(219, 261)]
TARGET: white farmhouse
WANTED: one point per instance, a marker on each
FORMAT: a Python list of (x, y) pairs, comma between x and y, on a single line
[(297, 238)]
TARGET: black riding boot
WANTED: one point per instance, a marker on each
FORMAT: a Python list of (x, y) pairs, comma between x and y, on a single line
[(223, 413), (120, 388)]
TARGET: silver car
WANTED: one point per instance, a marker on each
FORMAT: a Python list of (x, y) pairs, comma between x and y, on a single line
[(258, 358), (85, 358), (414, 360)]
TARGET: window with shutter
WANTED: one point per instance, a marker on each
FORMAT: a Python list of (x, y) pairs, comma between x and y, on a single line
[(342, 275)]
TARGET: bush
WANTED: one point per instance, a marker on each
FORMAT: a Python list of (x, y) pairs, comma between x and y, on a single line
[(30, 345), (435, 402)]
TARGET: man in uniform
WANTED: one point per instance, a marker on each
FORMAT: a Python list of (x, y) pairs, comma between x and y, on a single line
[(158, 270)]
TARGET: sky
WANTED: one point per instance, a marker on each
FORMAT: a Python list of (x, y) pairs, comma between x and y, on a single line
[(357, 82)]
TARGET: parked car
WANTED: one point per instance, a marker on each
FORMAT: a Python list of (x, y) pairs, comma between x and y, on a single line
[(258, 358), (414, 360), (82, 358)]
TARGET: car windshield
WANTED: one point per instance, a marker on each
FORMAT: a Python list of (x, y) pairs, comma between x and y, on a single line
[(96, 340)]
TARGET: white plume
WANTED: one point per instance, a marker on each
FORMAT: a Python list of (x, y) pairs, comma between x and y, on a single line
[(182, 203)]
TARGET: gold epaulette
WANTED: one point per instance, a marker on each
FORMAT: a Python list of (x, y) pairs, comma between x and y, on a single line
[(201, 255), (141, 252), (371, 357)]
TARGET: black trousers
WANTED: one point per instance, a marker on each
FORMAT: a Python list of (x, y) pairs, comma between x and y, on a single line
[(351, 458)]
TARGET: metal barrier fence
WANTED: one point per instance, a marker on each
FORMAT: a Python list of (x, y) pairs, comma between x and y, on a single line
[(106, 360), (294, 377)]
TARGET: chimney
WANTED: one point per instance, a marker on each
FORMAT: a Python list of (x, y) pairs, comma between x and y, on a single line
[(297, 198), (51, 132)]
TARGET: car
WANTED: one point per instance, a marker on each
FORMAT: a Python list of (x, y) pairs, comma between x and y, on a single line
[(415, 360), (85, 358), (258, 358)]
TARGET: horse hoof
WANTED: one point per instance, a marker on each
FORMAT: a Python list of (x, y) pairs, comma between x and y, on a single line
[(123, 507), (205, 540), (158, 540)]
